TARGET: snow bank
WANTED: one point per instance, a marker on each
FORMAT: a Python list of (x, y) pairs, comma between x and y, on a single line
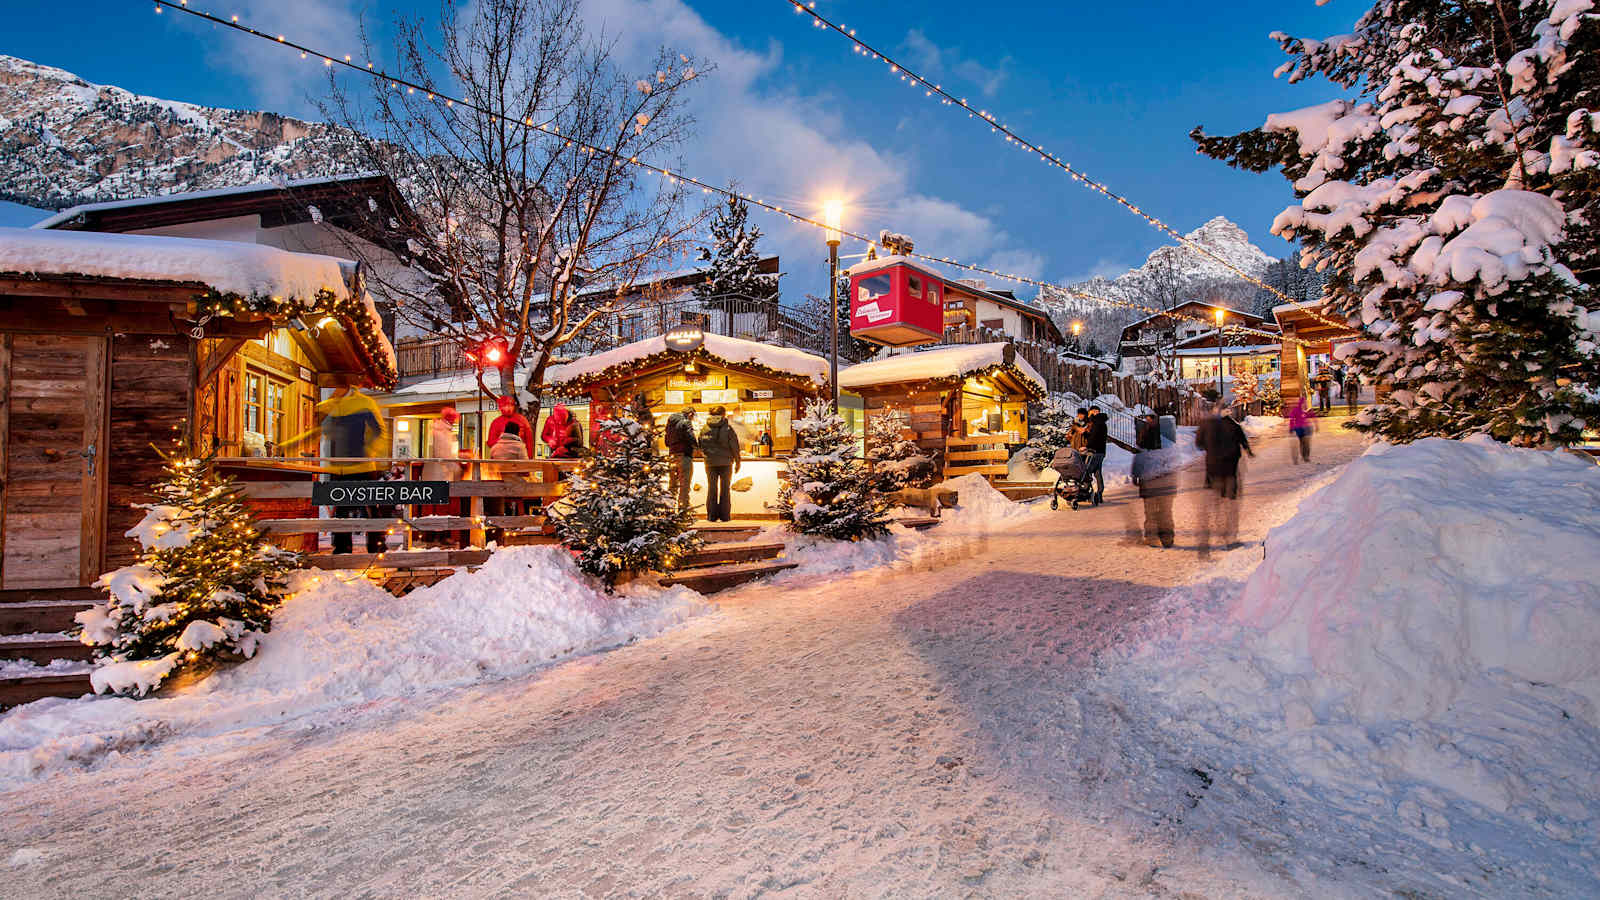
[(340, 640), (1422, 641), (230, 267)]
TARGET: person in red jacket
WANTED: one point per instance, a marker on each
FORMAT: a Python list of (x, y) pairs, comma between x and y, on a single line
[(562, 433), (508, 413)]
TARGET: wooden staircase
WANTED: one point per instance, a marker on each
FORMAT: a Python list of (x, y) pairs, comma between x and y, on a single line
[(728, 559), (32, 623)]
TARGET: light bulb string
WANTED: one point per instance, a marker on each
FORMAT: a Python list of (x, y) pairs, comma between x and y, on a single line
[(397, 82), (897, 68)]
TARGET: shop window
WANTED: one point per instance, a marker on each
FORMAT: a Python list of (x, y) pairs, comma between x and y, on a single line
[(915, 286), (265, 406), (872, 288)]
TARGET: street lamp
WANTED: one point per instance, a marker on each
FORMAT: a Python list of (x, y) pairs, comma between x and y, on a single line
[(488, 354), (832, 214), (1077, 329), (1219, 315)]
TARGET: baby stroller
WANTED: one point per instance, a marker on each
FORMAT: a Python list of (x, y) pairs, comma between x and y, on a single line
[(1074, 485)]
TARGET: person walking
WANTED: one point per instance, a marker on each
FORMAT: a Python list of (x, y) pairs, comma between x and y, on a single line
[(508, 415), (1352, 389), (1300, 426), (1223, 443), (719, 444), (680, 443), (510, 446), (1094, 444), (1324, 384), (562, 433), (1158, 485), (353, 427)]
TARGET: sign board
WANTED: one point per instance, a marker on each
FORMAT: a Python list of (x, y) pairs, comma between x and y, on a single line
[(378, 493), (725, 395), (761, 395), (685, 338)]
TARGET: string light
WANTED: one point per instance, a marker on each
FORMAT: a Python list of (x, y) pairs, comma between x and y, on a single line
[(895, 68), (396, 82)]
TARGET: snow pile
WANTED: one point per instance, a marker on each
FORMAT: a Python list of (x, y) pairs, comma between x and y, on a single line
[(1257, 427), (1422, 643), (229, 267), (340, 640)]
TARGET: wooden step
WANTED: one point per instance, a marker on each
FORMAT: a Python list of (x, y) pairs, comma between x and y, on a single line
[(918, 522), (40, 615), (399, 559), (724, 553), (28, 688), (85, 595), (721, 532), (720, 578), (1000, 454), (45, 648), (1024, 490)]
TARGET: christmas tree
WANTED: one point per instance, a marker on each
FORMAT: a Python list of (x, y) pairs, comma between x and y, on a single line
[(1049, 429), (618, 512), (1271, 399), (897, 461), (828, 490), (1246, 387), (203, 588), (732, 277), (1452, 200)]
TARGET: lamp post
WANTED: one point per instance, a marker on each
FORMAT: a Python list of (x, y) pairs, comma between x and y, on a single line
[(1219, 314), (489, 354), (832, 214), (1077, 331)]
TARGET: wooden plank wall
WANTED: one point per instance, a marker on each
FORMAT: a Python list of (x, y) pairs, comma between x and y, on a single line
[(148, 409)]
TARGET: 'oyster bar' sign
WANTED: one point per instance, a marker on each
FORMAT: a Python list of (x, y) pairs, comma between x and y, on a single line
[(378, 493)]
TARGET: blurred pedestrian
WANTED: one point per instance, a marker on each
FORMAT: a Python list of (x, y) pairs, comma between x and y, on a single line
[(1300, 427), (1352, 389), (719, 444), (1223, 442), (508, 415), (1095, 434), (1158, 484)]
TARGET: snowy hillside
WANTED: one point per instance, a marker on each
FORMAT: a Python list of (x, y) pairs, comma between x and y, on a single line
[(65, 141)]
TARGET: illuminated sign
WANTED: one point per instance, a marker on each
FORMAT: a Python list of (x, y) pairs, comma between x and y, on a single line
[(685, 338)]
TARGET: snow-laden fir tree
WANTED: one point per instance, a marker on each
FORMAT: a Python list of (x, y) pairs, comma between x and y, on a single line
[(618, 513), (1453, 194), (732, 278), (897, 461), (1271, 399), (829, 488), (1049, 429), (203, 588), (1246, 387)]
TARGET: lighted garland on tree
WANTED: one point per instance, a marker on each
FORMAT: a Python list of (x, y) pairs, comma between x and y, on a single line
[(350, 307), (1246, 386), (618, 513), (828, 490), (203, 588), (1049, 429), (1271, 399)]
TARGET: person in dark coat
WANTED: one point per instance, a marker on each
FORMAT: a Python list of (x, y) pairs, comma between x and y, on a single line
[(680, 441), (1157, 483), (1324, 384), (1094, 448), (1352, 389), (719, 444), (1224, 443)]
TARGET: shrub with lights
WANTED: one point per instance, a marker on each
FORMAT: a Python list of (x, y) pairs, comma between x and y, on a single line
[(202, 590), (829, 490), (897, 461), (618, 514)]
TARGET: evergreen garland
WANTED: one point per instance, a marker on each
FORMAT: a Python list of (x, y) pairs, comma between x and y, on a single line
[(203, 588), (1453, 205), (829, 490), (618, 513)]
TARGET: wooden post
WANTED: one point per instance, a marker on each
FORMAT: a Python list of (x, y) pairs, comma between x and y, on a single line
[(479, 537)]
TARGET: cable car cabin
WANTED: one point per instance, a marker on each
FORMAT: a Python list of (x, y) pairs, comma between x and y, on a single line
[(896, 302)]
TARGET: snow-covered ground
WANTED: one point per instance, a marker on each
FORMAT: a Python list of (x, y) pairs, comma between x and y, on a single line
[(1398, 701)]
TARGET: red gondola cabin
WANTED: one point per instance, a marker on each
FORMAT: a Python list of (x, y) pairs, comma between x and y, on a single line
[(896, 302)]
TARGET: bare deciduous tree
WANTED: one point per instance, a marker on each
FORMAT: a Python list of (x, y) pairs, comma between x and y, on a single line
[(518, 209)]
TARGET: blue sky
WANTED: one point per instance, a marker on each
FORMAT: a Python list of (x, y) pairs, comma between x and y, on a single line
[(792, 114)]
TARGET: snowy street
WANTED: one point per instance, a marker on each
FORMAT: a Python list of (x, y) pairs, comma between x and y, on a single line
[(910, 732)]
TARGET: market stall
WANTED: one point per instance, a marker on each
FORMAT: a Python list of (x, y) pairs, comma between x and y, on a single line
[(762, 387), (968, 403)]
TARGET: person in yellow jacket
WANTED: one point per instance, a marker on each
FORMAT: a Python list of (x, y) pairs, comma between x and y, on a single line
[(353, 427)]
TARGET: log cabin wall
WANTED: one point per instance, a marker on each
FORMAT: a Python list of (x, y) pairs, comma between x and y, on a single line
[(935, 415), (149, 409)]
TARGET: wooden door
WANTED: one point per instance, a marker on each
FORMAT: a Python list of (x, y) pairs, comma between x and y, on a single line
[(53, 389)]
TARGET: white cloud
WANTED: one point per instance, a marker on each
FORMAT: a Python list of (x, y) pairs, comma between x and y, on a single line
[(936, 63), (1104, 268), (277, 77)]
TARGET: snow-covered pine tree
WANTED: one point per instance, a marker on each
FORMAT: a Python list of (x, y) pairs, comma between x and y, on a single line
[(1049, 429), (1455, 204), (731, 276), (618, 513), (828, 490), (203, 588), (1246, 387), (897, 461), (1271, 399)]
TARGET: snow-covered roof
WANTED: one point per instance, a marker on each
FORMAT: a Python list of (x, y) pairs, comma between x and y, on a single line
[(884, 262), (70, 213), (228, 267), (717, 348), (943, 363), (1290, 307)]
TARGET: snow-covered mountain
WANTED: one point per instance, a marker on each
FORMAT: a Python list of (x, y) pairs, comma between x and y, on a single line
[(1174, 271), (64, 140)]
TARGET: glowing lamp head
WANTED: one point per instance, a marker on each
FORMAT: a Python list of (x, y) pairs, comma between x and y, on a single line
[(1218, 313), (494, 354), (1077, 328), (833, 217)]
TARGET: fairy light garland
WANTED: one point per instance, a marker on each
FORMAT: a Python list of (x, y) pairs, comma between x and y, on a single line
[(673, 176), (905, 74)]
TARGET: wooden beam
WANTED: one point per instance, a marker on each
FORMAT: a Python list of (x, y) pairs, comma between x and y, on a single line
[(310, 348), (170, 292), (221, 352), (97, 459), (5, 434)]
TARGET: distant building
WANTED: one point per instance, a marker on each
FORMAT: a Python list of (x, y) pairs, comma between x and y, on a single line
[(1188, 335), (972, 304)]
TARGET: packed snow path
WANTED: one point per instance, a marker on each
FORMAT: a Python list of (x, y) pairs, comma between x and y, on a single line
[(904, 732)]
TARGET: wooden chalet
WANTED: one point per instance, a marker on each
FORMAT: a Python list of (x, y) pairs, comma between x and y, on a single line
[(112, 345), (967, 403), (1307, 347)]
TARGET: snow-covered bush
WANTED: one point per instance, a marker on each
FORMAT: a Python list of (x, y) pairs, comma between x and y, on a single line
[(203, 588), (1454, 199), (1049, 428), (828, 490), (1271, 398), (897, 461), (618, 513), (1246, 387)]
